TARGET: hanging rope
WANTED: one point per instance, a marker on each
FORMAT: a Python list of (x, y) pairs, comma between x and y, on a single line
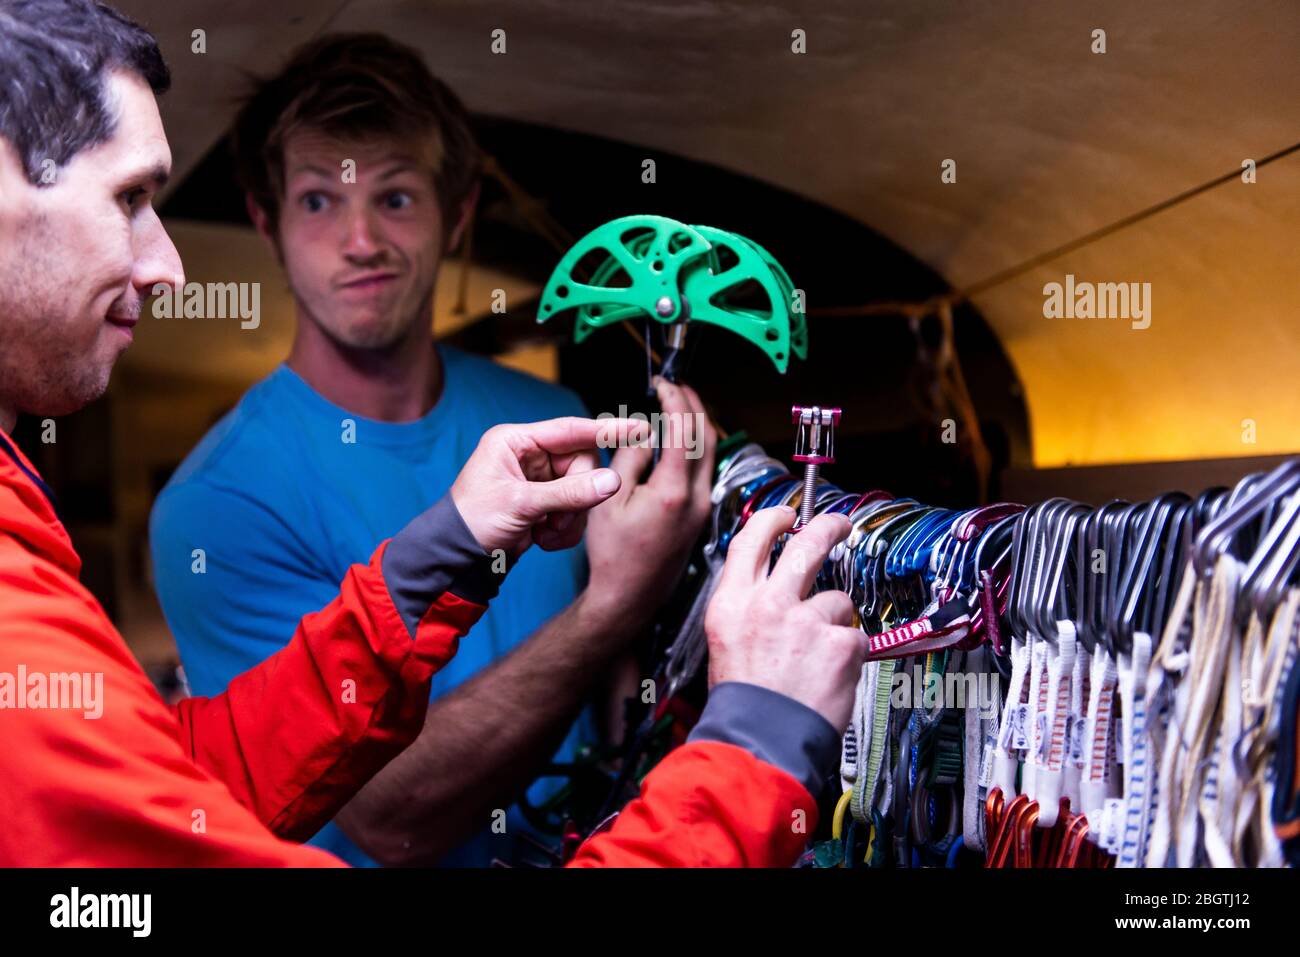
[(952, 382), (1019, 269)]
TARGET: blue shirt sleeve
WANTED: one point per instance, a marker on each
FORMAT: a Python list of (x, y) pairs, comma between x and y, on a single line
[(232, 578)]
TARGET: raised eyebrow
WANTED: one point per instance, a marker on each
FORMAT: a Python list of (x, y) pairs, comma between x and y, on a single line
[(398, 169), (313, 169)]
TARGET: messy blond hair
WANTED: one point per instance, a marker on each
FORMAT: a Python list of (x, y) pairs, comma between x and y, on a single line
[(355, 86)]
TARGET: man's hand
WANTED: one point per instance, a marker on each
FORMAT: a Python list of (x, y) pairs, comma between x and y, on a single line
[(764, 630), (638, 541), (534, 483)]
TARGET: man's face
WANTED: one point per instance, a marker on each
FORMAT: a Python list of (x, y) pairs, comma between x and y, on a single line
[(77, 258), (361, 257)]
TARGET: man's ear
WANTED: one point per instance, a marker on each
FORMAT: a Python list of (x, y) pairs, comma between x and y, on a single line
[(465, 212), (261, 222)]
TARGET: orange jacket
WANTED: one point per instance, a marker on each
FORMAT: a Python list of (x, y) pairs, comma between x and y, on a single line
[(98, 771)]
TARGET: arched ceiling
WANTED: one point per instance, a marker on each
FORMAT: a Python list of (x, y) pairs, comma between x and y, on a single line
[(1050, 139)]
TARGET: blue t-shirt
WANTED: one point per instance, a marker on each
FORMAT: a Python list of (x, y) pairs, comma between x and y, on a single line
[(288, 490)]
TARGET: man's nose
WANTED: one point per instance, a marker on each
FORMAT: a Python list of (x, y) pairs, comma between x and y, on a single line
[(156, 258), (361, 242)]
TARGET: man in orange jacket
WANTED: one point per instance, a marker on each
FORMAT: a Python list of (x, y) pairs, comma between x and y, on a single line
[(99, 771)]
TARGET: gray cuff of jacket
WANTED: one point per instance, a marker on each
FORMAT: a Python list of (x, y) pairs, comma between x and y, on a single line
[(437, 553), (773, 728)]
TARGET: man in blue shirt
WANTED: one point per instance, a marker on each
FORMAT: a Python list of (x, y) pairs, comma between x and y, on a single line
[(361, 172)]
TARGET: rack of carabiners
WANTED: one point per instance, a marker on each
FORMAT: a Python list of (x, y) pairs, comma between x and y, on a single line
[(1051, 686)]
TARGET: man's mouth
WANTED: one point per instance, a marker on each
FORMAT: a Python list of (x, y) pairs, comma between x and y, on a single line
[(126, 324), (369, 283)]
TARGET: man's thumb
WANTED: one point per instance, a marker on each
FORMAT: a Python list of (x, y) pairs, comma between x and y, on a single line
[(573, 493)]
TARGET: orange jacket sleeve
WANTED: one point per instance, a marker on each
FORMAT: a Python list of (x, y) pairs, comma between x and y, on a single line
[(740, 793), (295, 737), (99, 771)]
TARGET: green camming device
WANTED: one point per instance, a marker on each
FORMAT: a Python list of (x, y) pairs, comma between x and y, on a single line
[(655, 268)]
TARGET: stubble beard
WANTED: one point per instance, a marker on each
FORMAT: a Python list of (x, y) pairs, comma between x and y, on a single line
[(43, 369)]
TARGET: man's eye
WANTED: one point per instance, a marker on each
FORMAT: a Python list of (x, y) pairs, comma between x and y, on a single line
[(131, 197), (314, 202), (398, 200)]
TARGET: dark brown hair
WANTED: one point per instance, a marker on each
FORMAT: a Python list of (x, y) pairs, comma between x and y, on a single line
[(54, 56), (354, 86)]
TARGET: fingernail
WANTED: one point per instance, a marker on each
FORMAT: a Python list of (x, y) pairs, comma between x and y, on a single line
[(605, 481)]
